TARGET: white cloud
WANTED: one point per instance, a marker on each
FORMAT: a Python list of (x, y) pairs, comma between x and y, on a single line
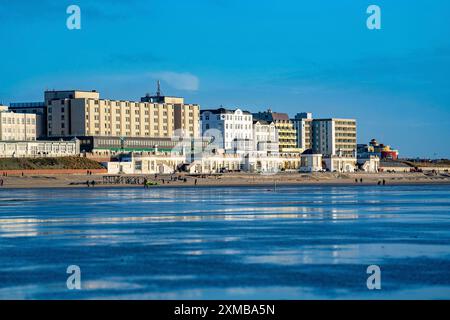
[(181, 81)]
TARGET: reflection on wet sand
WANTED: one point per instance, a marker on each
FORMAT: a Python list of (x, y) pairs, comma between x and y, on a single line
[(214, 243)]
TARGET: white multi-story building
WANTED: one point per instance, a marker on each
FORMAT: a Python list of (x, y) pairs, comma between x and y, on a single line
[(234, 126), (265, 136), (17, 126)]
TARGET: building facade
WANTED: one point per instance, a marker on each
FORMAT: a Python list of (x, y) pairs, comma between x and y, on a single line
[(287, 135), (310, 161), (83, 113), (377, 149), (37, 108), (265, 136), (235, 128), (17, 126), (303, 126), (334, 137), (24, 149)]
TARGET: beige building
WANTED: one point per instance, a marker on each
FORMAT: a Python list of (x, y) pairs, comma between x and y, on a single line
[(17, 126), (83, 113), (287, 135)]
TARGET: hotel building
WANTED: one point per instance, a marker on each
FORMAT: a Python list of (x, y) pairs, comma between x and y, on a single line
[(303, 126), (83, 113), (334, 137), (287, 135), (37, 108), (17, 126), (234, 126), (265, 136)]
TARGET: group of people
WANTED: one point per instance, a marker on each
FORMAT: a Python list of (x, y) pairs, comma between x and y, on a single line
[(90, 183), (379, 182), (173, 178)]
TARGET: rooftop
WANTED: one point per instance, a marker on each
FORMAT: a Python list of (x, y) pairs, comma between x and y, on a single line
[(225, 111)]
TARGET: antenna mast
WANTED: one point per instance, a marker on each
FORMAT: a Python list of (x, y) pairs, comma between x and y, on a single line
[(158, 90)]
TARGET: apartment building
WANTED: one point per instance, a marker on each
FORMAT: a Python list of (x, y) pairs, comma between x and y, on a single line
[(334, 137), (84, 113), (287, 135), (303, 126), (265, 136), (17, 126), (37, 108), (234, 126)]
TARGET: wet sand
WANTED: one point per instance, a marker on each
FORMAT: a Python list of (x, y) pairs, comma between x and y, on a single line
[(229, 179), (298, 242)]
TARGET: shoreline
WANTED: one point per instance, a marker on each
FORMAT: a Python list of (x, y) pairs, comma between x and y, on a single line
[(227, 180)]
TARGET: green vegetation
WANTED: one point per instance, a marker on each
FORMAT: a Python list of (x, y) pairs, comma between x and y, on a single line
[(48, 163)]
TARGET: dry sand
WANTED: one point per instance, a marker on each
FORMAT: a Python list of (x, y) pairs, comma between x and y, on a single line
[(229, 179)]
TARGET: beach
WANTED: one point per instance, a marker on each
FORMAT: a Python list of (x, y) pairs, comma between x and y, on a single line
[(227, 179), (295, 242)]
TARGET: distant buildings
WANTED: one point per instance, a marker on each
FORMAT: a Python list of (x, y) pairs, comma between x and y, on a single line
[(265, 136), (235, 128), (83, 113), (334, 139), (330, 137), (376, 149), (17, 126), (37, 108), (287, 135), (303, 126), (18, 149), (165, 125)]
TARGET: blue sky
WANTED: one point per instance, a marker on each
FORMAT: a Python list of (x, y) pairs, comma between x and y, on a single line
[(289, 55)]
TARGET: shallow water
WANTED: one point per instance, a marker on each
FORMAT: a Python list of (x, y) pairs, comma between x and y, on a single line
[(299, 242)]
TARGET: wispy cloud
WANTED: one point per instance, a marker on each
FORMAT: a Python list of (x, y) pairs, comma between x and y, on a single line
[(113, 86), (180, 81)]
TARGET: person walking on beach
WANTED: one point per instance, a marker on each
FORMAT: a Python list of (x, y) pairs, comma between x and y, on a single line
[(93, 183), (384, 182), (1, 182), (145, 183), (87, 183), (360, 180), (195, 181)]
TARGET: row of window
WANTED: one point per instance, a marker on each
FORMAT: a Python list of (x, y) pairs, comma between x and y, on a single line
[(18, 130), (207, 117), (8, 120)]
